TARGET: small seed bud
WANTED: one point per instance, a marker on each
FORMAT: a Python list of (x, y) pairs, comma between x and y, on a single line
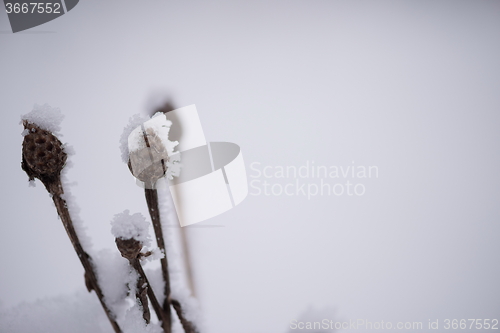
[(129, 248)]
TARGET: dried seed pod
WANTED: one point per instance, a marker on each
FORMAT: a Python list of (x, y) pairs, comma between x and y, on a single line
[(149, 164), (129, 248), (43, 154)]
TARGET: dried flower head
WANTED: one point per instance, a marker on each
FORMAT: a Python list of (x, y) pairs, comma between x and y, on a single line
[(129, 248), (43, 154), (150, 153), (149, 163)]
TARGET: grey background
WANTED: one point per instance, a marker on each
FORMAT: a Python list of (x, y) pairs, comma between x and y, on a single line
[(411, 87)]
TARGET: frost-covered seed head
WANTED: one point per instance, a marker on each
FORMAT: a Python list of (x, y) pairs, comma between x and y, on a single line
[(129, 248), (149, 164), (131, 233), (43, 154), (147, 150)]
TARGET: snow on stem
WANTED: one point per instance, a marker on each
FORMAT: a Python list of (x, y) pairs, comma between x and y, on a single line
[(154, 212), (131, 235)]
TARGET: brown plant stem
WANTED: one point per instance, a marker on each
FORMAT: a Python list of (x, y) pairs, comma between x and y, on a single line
[(154, 212), (130, 249), (153, 206), (55, 188), (186, 324), (166, 107), (151, 195), (141, 294), (136, 264)]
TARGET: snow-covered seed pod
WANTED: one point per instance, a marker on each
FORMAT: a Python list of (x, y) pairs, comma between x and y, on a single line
[(43, 154), (149, 163), (131, 233), (129, 248)]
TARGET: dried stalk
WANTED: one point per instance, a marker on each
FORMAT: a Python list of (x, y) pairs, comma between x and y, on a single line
[(152, 297), (86, 260), (44, 158), (186, 324), (153, 206), (130, 249), (154, 212), (165, 108), (150, 176), (150, 165)]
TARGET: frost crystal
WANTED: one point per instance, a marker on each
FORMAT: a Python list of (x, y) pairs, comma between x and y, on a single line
[(156, 254), (174, 166), (45, 117), (70, 199), (133, 122), (128, 226)]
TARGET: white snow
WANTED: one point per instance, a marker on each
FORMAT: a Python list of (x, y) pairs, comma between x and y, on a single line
[(133, 322), (113, 275), (156, 254), (128, 226), (133, 122), (45, 117), (80, 312), (155, 279), (136, 140), (73, 208), (118, 283), (75, 313)]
